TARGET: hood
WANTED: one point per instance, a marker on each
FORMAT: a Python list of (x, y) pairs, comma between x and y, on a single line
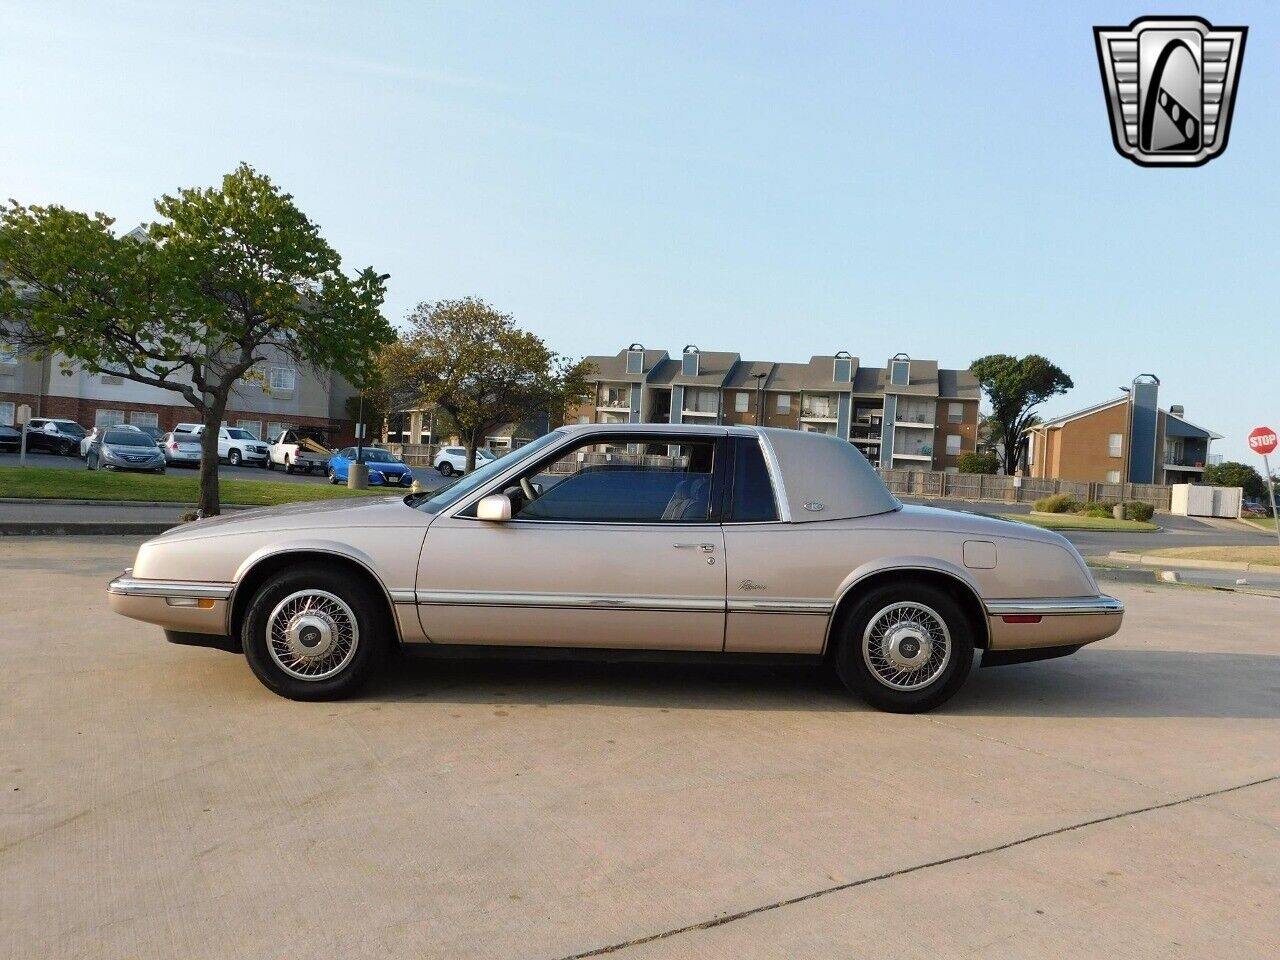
[(356, 511)]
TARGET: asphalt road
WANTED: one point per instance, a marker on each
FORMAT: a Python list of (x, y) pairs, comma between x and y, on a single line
[(1174, 531), (157, 801)]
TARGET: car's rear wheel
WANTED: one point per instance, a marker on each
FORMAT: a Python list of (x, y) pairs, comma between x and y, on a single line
[(905, 648), (313, 633)]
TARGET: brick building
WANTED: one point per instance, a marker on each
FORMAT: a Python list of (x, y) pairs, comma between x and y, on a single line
[(287, 396), (1128, 439), (908, 413)]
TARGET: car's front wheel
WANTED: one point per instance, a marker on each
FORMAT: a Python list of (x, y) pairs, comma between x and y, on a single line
[(333, 477), (313, 633), (233, 458), (905, 648), (445, 468)]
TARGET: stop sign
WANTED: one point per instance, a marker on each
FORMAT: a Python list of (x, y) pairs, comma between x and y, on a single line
[(1263, 441)]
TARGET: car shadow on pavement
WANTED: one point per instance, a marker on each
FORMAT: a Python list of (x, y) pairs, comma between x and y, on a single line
[(1093, 683)]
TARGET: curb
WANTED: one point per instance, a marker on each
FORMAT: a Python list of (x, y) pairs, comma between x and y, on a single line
[(1123, 557), (175, 504), (54, 528)]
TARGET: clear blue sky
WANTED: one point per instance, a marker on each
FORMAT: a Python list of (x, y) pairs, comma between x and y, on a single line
[(777, 179)]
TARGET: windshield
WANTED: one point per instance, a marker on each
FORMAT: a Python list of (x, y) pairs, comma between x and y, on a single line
[(374, 455), (128, 438), (69, 428), (235, 433), (451, 493)]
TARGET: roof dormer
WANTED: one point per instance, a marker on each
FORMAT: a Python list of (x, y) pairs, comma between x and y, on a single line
[(689, 361)]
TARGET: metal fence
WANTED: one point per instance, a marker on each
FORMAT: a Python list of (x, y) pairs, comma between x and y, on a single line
[(978, 486)]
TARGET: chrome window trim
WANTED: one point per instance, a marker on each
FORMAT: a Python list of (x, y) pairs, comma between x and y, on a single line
[(569, 601), (1055, 606), (775, 477)]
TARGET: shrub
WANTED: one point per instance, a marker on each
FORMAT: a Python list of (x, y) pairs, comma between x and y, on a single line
[(973, 462), (1099, 508), (1137, 510), (1057, 503)]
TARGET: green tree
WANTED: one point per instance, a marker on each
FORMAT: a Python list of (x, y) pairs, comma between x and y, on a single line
[(478, 367), (1231, 474), (973, 462), (1015, 386), (229, 277)]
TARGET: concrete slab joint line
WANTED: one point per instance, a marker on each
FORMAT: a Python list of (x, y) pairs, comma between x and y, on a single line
[(837, 888)]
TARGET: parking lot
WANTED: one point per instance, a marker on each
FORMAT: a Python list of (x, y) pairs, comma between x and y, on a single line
[(157, 801), (226, 470)]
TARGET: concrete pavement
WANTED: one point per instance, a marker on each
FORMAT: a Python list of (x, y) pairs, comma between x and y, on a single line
[(157, 801)]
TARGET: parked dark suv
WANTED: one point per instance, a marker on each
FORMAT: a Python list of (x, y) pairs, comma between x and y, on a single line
[(55, 436)]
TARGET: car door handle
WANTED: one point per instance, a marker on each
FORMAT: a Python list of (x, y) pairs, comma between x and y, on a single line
[(704, 547)]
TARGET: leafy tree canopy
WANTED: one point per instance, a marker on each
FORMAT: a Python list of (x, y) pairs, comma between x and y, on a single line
[(230, 277), (1232, 474), (1015, 386), (477, 366)]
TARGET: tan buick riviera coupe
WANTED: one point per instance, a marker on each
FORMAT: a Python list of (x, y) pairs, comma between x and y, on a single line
[(628, 540)]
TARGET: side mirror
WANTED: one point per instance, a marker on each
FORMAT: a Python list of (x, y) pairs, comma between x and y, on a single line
[(495, 507)]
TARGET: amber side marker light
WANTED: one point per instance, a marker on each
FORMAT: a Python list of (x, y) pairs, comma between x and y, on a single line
[(201, 604), (1020, 618)]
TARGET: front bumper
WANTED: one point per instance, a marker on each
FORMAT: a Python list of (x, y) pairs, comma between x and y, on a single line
[(120, 463), (1029, 624), (184, 606)]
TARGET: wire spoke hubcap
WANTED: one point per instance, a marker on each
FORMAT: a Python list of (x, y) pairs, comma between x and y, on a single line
[(906, 646), (312, 634)]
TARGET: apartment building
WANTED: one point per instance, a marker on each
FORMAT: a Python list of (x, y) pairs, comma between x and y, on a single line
[(282, 395), (1128, 439), (908, 413)]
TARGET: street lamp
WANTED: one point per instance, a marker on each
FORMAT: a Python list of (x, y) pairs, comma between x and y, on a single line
[(759, 378)]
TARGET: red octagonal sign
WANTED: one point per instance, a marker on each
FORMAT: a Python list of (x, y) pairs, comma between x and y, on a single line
[(1263, 441)]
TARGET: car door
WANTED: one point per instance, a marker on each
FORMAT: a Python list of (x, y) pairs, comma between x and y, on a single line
[(622, 549)]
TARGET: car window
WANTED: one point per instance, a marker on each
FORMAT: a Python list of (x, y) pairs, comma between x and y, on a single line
[(376, 455), (751, 498), (127, 438), (348, 453), (628, 483), (235, 433), (451, 493)]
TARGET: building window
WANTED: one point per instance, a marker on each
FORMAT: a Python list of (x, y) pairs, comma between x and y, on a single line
[(900, 373), (1113, 476), (8, 354), (253, 426), (700, 400), (108, 418), (616, 397), (583, 418), (1115, 444), (955, 412), (140, 418), (6, 413), (275, 429), (741, 401), (281, 379), (953, 445), (784, 403), (1031, 449), (112, 379)]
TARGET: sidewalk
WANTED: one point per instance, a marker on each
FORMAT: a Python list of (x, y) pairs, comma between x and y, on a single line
[(89, 518)]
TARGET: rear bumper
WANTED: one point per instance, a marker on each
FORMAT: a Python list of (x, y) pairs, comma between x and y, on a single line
[(183, 606), (1028, 624)]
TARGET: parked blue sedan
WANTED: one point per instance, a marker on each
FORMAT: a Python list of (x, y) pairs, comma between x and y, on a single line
[(384, 467)]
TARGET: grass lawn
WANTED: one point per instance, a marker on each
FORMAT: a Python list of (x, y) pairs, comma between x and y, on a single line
[(1267, 523), (1266, 555), (1069, 521), (51, 483)]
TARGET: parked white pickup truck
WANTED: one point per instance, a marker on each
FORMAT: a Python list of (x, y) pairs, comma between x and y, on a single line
[(299, 449), (235, 445)]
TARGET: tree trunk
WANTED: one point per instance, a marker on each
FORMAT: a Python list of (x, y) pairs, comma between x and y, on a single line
[(210, 504), (471, 452)]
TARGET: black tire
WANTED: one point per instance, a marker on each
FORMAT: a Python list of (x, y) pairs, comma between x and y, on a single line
[(69, 449), (271, 464), (233, 458), (333, 477), (374, 635), (446, 468), (288, 467), (924, 602)]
